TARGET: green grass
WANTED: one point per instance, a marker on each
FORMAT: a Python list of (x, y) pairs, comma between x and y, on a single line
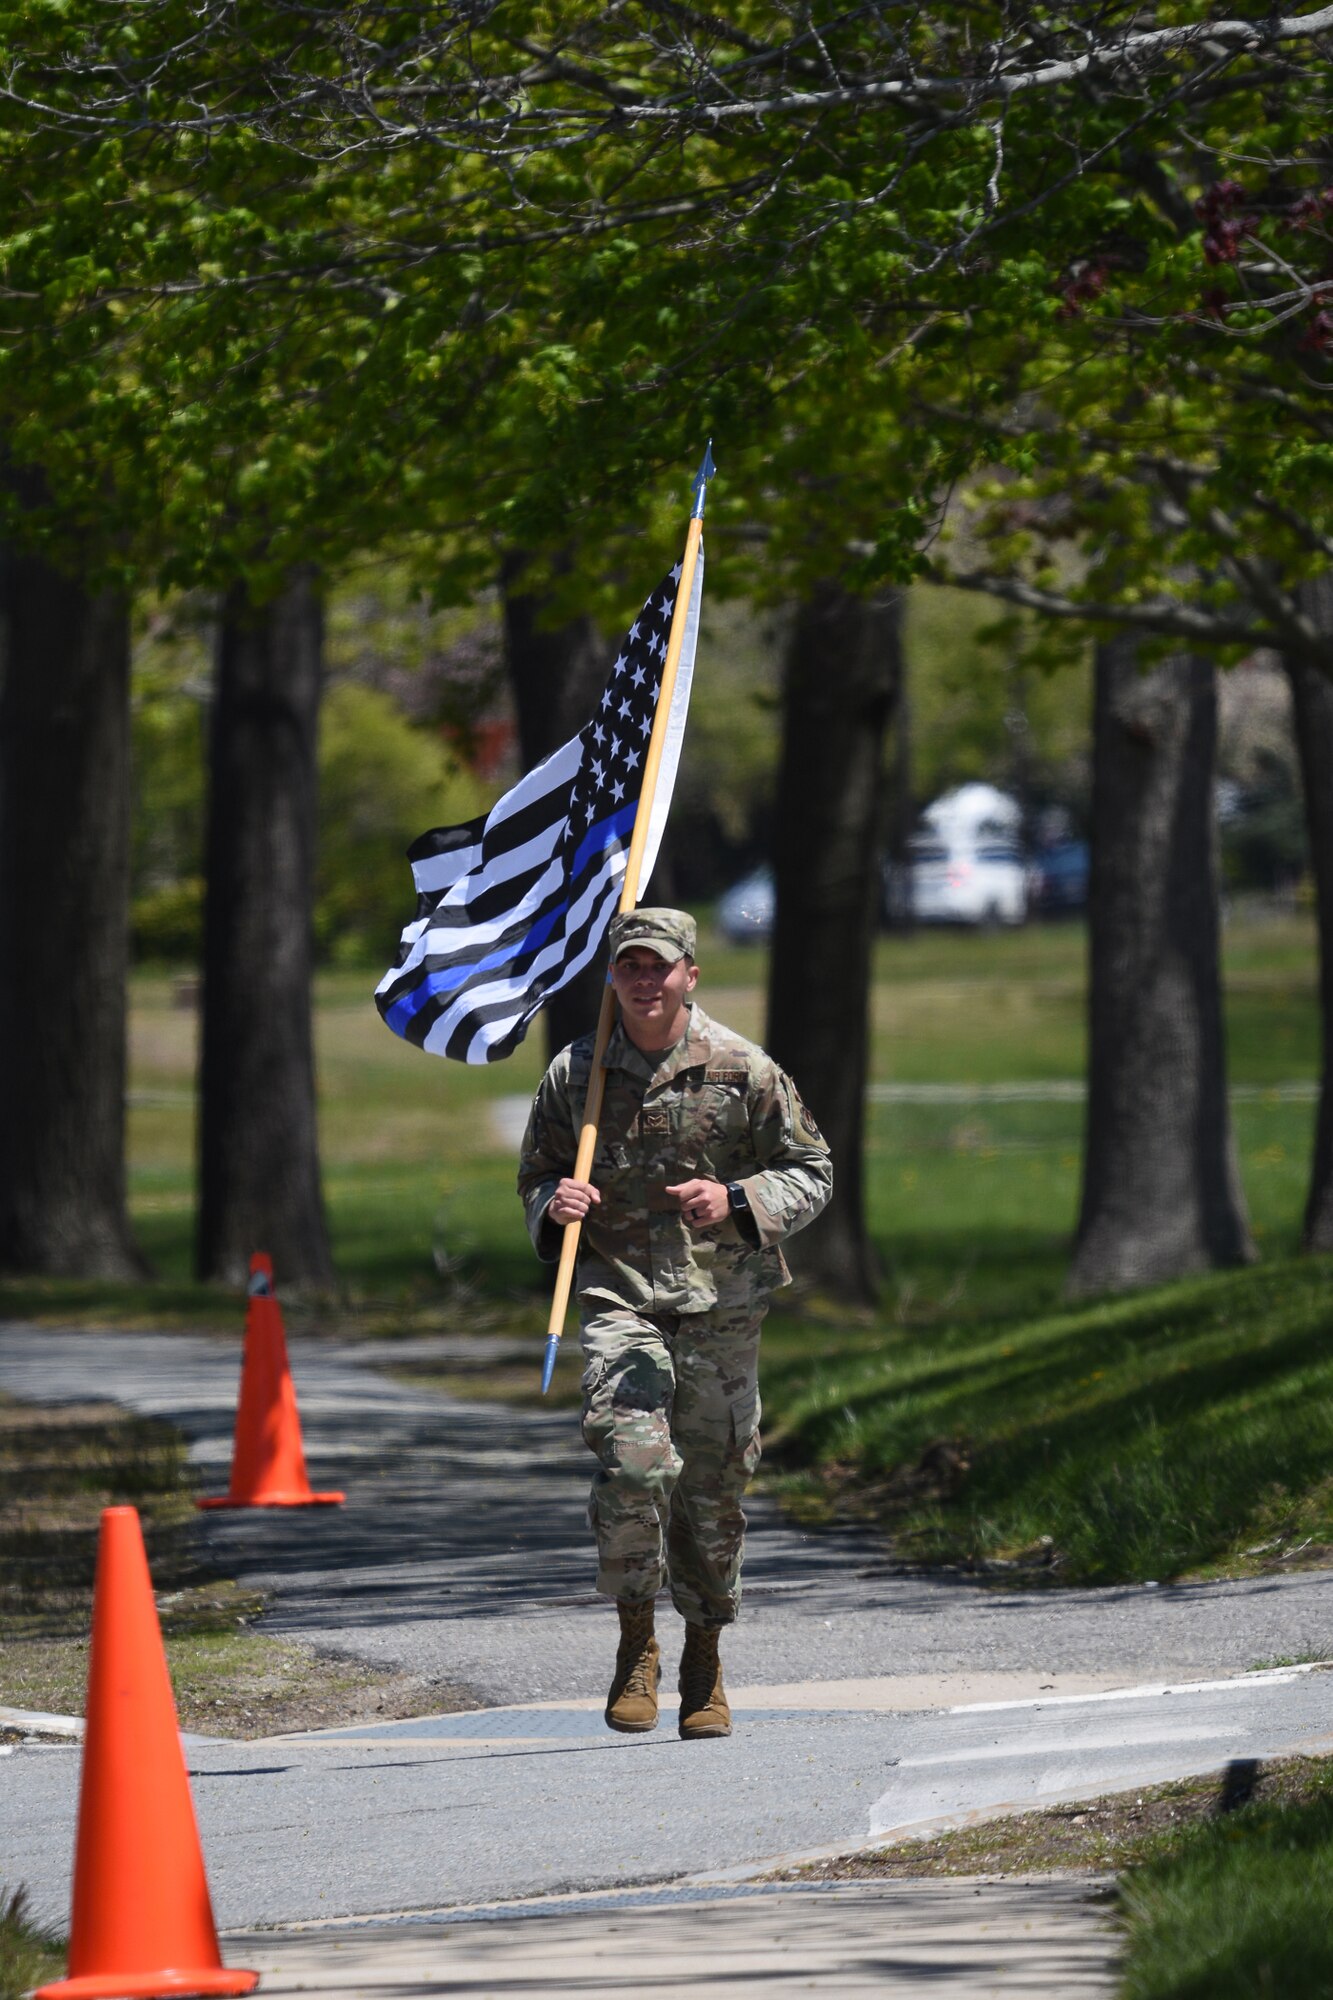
[(30, 1953), (1238, 1908), (1183, 1431)]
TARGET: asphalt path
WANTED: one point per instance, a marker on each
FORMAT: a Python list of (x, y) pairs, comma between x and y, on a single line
[(868, 1702), (499, 1806)]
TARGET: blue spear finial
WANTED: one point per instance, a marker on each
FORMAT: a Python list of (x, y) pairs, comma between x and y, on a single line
[(701, 479)]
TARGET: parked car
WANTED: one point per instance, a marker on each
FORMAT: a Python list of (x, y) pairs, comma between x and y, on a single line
[(966, 860), (965, 866), (745, 911), (1058, 879)]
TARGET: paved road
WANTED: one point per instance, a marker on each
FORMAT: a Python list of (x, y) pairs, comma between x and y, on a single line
[(867, 1701), (459, 1810)]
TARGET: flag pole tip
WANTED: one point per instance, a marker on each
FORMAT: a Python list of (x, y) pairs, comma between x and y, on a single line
[(548, 1361), (701, 479)]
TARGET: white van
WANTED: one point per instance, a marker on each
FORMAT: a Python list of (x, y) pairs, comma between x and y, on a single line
[(967, 859)]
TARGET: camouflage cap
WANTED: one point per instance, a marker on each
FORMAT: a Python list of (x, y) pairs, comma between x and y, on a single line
[(672, 934)]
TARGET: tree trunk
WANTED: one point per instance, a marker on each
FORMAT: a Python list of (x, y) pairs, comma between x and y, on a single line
[(842, 673), (898, 911), (259, 1186), (556, 673), (1312, 696), (1161, 1191), (64, 931)]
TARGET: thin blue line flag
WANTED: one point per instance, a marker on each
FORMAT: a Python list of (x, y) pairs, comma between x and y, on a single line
[(512, 905)]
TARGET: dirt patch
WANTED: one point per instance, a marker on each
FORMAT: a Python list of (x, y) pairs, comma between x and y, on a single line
[(238, 1684), (60, 1465), (1093, 1836), (298, 1690)]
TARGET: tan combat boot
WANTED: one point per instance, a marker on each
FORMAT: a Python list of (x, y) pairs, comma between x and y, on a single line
[(632, 1703), (703, 1700)]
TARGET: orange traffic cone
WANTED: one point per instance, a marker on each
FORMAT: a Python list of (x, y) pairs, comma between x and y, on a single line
[(267, 1460), (143, 1922)]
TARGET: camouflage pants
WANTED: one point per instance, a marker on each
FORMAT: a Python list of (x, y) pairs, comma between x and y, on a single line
[(671, 1408)]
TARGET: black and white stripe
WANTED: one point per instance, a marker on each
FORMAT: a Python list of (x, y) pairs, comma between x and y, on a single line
[(511, 906)]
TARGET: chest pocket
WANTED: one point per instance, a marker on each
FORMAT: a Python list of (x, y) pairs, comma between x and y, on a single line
[(670, 1133), (618, 1133), (716, 1112)]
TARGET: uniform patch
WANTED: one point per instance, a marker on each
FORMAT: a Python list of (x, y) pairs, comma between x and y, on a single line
[(734, 1079), (806, 1127)]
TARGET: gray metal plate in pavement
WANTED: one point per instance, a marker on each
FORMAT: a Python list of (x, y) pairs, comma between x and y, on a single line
[(493, 1725)]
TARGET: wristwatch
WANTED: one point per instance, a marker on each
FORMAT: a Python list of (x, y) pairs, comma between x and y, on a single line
[(737, 1199)]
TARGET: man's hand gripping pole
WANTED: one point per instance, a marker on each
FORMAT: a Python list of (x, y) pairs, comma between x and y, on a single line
[(587, 1146)]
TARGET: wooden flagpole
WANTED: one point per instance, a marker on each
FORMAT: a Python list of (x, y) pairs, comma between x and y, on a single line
[(629, 896)]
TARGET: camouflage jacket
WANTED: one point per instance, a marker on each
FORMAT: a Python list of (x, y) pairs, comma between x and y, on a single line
[(714, 1106)]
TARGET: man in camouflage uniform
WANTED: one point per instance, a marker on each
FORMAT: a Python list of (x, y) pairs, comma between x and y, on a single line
[(706, 1161)]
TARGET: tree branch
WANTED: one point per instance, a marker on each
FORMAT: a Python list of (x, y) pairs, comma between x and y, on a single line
[(1163, 616), (1131, 51)]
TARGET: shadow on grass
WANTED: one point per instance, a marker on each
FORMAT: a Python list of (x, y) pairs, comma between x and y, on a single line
[(94, 1302), (59, 1467), (1127, 1440)]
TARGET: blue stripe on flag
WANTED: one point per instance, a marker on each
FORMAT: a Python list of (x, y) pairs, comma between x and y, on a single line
[(601, 835), (450, 978)]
